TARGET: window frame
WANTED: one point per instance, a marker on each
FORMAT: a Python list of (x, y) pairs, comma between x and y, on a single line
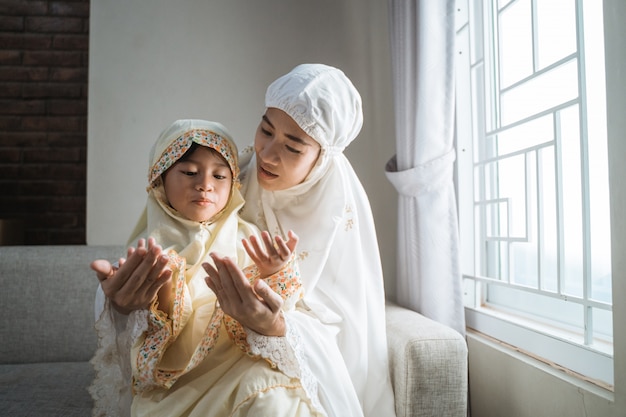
[(557, 347)]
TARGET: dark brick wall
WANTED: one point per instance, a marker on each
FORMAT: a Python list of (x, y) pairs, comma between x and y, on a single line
[(43, 121)]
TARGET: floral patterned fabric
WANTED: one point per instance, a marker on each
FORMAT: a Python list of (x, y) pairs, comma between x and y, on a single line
[(182, 144), (162, 330)]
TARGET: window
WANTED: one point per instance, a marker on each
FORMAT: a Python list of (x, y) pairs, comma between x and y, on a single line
[(533, 180)]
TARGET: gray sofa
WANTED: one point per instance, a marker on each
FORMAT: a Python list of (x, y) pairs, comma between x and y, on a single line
[(47, 339)]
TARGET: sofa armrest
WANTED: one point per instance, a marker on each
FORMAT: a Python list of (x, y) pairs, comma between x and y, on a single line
[(428, 365)]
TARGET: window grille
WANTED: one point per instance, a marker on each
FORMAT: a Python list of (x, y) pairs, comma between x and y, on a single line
[(532, 178)]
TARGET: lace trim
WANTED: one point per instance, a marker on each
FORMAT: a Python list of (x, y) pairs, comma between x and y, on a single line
[(137, 325), (287, 354), (286, 282), (110, 388), (163, 331)]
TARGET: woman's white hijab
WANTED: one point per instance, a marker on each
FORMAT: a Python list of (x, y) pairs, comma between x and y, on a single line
[(339, 256)]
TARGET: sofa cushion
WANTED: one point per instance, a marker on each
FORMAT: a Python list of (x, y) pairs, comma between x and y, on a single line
[(46, 389), (47, 299)]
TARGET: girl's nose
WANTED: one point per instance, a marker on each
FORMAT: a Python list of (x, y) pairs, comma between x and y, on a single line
[(205, 182)]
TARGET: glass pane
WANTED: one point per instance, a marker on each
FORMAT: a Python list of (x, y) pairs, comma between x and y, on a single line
[(479, 244), (496, 225), (512, 187), (551, 310), (526, 135), (547, 220), (600, 223), (548, 90), (490, 181), (524, 264), (478, 182), (496, 265), (504, 261), (479, 116), (603, 324), (515, 38), (571, 210), (556, 31), (524, 261), (599, 228)]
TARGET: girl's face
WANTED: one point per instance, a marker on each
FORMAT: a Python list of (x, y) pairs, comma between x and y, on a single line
[(198, 185), (285, 154)]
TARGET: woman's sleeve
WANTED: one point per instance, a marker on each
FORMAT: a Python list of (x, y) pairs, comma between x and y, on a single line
[(309, 353), (286, 283), (284, 353)]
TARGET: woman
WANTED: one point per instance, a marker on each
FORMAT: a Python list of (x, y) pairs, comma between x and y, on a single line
[(298, 178)]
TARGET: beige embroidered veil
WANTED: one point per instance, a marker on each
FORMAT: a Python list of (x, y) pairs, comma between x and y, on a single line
[(161, 221)]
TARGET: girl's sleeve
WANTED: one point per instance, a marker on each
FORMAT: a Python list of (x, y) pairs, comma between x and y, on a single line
[(162, 330), (116, 333)]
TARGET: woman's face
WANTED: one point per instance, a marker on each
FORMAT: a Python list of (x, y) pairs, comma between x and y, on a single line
[(285, 154), (198, 185)]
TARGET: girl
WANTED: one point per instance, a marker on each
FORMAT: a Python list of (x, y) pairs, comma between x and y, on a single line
[(184, 335)]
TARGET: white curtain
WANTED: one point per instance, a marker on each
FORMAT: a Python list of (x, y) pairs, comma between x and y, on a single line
[(422, 49)]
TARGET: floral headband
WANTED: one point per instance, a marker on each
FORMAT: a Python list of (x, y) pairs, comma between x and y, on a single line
[(182, 144)]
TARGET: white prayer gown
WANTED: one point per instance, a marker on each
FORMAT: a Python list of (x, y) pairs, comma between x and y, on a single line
[(330, 212)]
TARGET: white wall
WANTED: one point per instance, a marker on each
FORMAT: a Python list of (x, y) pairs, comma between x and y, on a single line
[(506, 383), (154, 61)]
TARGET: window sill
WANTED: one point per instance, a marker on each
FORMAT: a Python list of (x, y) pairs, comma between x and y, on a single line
[(564, 358)]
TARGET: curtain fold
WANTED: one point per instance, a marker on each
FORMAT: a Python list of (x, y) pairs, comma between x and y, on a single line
[(422, 51)]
